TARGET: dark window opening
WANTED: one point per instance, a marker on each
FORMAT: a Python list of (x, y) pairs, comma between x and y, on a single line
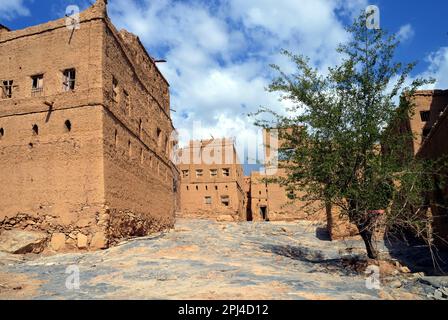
[(208, 200), (68, 126), (37, 87), (159, 133), (140, 128), (166, 145), (291, 195), (225, 200), (263, 213), (2, 132), (69, 79), (188, 188), (114, 89), (35, 130), (425, 115), (197, 188), (7, 89), (216, 187)]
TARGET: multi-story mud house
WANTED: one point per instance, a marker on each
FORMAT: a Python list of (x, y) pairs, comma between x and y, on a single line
[(85, 133)]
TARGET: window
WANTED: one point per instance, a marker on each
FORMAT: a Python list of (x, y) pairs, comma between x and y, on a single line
[(226, 172), (69, 79), (114, 89), (188, 188), (216, 187), (213, 173), (208, 200), (2, 132), (291, 195), (425, 115), (225, 200), (185, 173), (35, 130), (159, 135), (199, 173), (140, 128), (7, 89), (166, 146), (68, 126), (37, 86)]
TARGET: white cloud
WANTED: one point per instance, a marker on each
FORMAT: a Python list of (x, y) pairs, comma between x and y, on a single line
[(405, 33), (437, 69), (219, 53), (12, 8)]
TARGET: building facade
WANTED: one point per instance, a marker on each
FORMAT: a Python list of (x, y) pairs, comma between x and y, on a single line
[(430, 126), (271, 201), (85, 133), (425, 132), (212, 184)]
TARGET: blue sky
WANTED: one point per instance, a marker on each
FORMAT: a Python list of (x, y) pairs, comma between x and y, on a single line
[(218, 52)]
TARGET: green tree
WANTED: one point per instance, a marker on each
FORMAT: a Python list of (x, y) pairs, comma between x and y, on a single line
[(335, 148)]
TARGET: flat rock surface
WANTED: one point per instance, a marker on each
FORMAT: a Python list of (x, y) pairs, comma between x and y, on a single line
[(20, 241), (206, 260)]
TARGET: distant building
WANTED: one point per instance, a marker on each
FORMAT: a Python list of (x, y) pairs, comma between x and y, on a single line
[(271, 201), (212, 181), (85, 133)]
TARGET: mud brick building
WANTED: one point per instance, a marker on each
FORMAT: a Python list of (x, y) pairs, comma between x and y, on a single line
[(425, 135), (430, 126), (270, 201), (85, 133), (212, 184)]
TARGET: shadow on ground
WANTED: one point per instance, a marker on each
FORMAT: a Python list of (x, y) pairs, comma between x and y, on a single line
[(418, 257)]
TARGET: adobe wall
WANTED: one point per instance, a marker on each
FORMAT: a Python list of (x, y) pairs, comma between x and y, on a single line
[(436, 147), (53, 181), (194, 189), (433, 101), (138, 184), (110, 176), (139, 175), (280, 207)]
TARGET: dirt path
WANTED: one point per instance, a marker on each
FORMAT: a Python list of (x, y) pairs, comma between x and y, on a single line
[(204, 260)]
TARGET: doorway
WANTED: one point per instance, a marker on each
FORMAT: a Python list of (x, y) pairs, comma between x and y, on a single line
[(264, 213)]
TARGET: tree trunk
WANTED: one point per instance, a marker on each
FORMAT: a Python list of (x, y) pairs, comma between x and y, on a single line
[(366, 235), (365, 228)]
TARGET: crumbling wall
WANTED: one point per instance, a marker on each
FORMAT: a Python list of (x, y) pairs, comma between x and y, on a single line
[(63, 170), (53, 181), (139, 175)]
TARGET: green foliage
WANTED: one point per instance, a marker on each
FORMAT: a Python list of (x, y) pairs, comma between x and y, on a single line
[(344, 148)]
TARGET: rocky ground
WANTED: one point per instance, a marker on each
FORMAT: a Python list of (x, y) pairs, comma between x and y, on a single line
[(209, 260)]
